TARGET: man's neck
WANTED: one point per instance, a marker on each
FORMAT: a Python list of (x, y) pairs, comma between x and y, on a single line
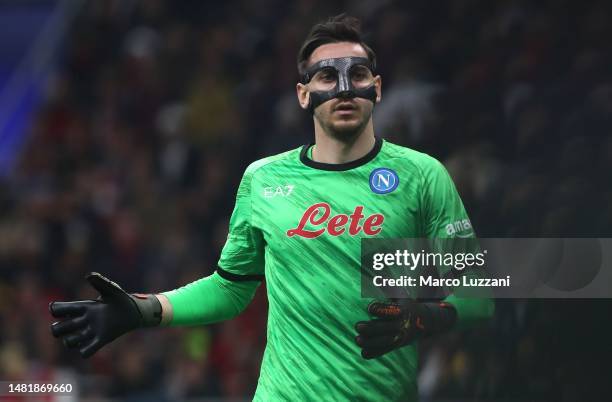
[(335, 151)]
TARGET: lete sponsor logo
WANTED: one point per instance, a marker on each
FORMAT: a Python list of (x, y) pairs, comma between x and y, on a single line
[(320, 215)]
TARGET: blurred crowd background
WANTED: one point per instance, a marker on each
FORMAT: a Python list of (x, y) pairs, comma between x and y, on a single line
[(132, 162)]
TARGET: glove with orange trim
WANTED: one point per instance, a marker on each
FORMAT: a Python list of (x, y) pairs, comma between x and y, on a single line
[(400, 323)]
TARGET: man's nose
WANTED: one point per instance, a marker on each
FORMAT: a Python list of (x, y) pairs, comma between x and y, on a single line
[(343, 83), (344, 87), (346, 94)]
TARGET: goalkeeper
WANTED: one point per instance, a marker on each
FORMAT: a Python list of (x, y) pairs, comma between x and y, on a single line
[(298, 221)]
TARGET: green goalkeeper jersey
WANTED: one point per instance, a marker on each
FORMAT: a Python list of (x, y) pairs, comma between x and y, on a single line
[(299, 224)]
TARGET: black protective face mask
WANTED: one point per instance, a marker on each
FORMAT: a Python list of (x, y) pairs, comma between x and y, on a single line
[(342, 68)]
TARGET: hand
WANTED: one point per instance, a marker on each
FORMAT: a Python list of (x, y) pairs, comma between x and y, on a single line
[(91, 324), (400, 323)]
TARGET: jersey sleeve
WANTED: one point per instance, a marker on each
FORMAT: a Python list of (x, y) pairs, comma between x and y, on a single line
[(443, 213), (444, 217), (209, 300), (242, 257)]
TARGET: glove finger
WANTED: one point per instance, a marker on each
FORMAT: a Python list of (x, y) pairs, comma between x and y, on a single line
[(61, 328), (90, 348), (62, 309), (385, 309), (372, 353), (375, 342), (377, 327), (78, 337), (104, 286)]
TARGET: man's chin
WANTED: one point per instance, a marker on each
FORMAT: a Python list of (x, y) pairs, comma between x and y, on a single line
[(343, 127), (347, 128)]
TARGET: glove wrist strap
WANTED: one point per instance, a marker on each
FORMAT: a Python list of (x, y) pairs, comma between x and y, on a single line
[(149, 307)]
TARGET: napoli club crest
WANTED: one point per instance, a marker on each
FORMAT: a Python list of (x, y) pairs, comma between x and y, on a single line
[(383, 180)]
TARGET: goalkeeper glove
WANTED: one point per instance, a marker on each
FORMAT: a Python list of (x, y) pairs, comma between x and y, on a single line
[(91, 324), (400, 323)]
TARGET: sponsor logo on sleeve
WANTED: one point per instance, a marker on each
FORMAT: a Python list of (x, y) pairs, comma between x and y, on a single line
[(460, 228)]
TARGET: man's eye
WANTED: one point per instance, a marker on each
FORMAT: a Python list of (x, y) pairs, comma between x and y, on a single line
[(360, 74)]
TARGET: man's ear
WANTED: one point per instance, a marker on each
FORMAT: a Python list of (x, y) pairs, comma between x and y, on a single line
[(378, 87), (303, 95)]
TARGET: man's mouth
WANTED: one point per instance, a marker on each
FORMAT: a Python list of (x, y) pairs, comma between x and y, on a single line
[(345, 107)]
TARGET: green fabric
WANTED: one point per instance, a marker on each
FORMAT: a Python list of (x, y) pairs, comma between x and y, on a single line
[(209, 300), (313, 284)]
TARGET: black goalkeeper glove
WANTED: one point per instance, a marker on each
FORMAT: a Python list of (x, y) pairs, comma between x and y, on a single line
[(91, 324), (400, 323)]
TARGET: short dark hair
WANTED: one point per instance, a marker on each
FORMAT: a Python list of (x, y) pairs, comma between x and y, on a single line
[(341, 28)]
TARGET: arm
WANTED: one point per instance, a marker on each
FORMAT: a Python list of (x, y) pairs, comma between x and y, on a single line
[(90, 324), (206, 301), (445, 217)]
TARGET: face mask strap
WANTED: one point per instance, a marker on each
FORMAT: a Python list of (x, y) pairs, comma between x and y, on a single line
[(319, 97)]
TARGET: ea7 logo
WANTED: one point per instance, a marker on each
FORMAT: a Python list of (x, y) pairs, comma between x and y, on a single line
[(282, 191)]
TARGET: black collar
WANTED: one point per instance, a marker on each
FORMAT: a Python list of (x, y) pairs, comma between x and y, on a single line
[(341, 166)]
